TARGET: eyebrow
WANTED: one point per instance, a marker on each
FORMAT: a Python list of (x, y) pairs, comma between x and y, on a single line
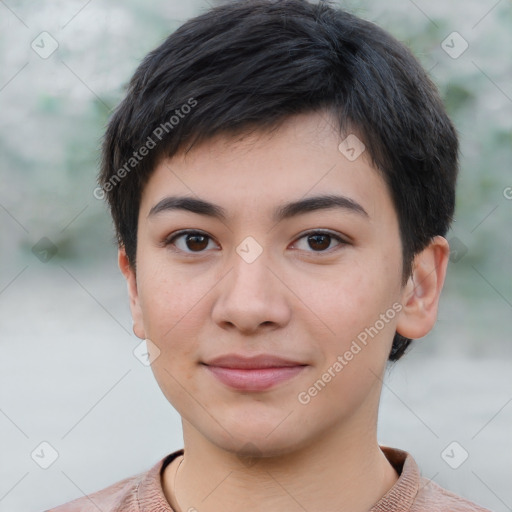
[(286, 211)]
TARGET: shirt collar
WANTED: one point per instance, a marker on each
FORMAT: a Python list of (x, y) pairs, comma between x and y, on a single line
[(399, 498)]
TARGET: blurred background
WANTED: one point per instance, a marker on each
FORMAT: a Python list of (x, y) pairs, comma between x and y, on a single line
[(68, 373)]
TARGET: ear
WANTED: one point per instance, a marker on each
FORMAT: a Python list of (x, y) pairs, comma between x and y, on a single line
[(420, 296), (129, 273)]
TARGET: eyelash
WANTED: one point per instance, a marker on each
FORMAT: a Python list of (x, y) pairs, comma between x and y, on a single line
[(174, 236)]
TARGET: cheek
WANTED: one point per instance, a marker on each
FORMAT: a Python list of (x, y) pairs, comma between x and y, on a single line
[(168, 295), (172, 308), (351, 359), (173, 312), (357, 309), (346, 299)]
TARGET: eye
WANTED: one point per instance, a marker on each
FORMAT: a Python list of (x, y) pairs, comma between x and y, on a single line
[(189, 241), (320, 241)]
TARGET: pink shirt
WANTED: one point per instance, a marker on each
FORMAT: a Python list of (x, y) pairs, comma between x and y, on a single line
[(144, 492)]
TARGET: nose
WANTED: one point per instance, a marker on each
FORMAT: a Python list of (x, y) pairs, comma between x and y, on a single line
[(251, 298)]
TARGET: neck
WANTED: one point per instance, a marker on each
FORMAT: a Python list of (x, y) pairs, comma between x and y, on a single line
[(338, 472)]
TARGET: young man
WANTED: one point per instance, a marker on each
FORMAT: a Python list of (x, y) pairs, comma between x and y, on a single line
[(281, 176)]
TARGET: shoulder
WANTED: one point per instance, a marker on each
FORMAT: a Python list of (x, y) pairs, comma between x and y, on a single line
[(432, 496), (108, 499), (126, 495), (415, 493)]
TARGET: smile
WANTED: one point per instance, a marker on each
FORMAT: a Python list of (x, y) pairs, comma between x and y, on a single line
[(253, 373)]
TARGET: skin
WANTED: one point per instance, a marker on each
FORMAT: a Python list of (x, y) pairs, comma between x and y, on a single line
[(266, 450)]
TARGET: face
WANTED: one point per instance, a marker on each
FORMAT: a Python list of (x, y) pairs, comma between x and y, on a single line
[(301, 301)]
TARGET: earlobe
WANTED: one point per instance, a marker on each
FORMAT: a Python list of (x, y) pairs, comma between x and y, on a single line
[(129, 273), (420, 296)]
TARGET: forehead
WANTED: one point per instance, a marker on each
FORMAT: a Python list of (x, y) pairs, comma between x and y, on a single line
[(253, 172)]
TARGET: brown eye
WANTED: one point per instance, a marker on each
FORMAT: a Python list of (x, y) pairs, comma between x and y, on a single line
[(189, 241), (196, 242), (319, 241)]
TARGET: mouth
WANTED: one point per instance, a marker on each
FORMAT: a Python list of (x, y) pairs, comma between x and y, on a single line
[(257, 373)]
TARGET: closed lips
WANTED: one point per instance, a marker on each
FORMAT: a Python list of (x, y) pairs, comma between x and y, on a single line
[(254, 362), (257, 373)]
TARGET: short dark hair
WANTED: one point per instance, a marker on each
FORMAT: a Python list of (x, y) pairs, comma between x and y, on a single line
[(249, 65)]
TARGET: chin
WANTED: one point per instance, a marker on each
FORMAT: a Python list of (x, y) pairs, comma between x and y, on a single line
[(255, 438), (249, 448)]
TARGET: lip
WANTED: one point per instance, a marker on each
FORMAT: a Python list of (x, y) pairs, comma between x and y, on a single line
[(254, 373)]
